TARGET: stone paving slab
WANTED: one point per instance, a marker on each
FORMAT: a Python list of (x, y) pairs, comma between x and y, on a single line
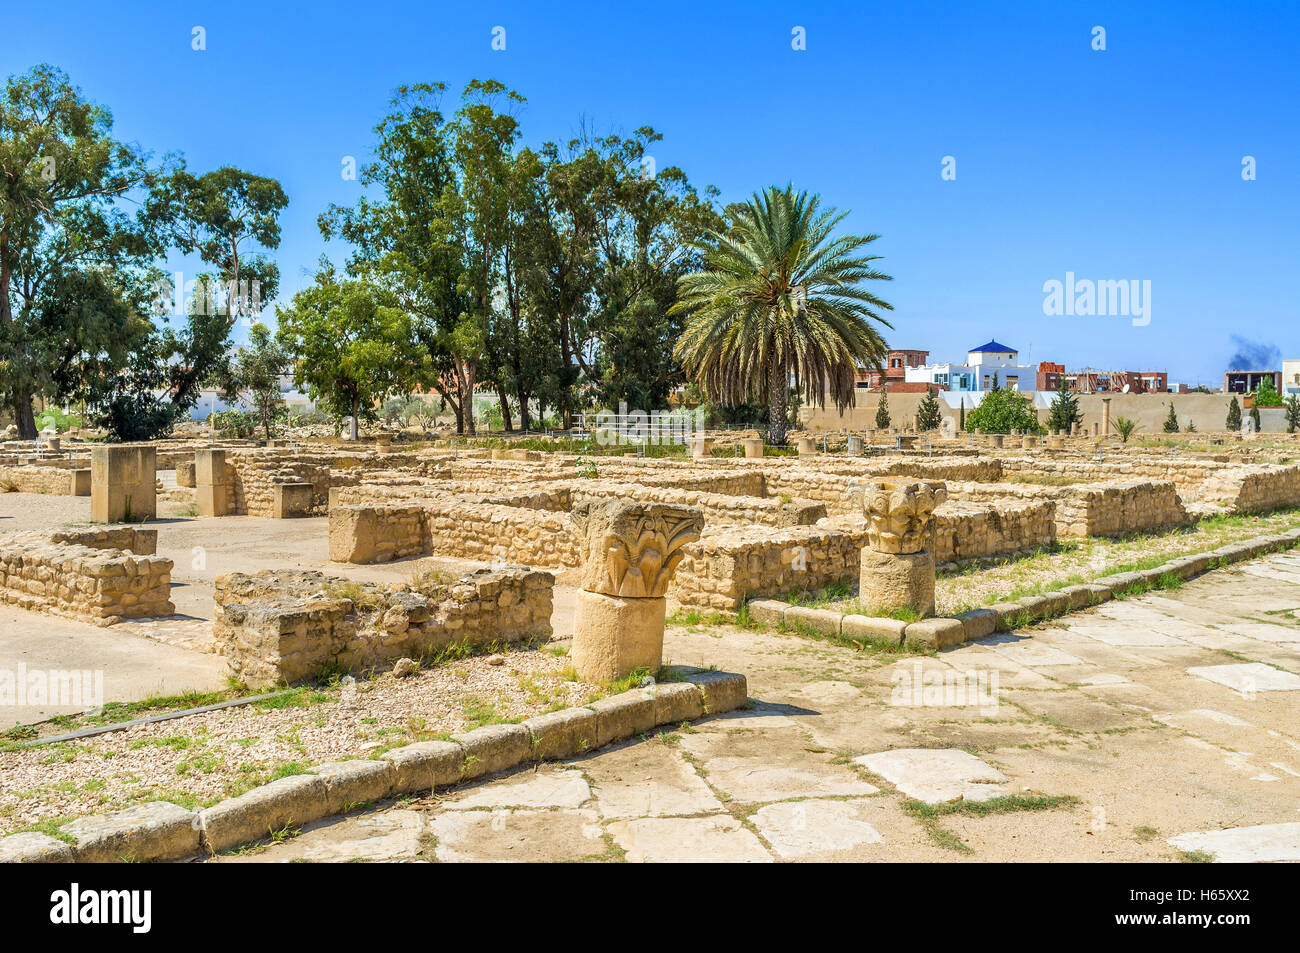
[(937, 775), (816, 829), (1249, 677), (719, 838), (1235, 845)]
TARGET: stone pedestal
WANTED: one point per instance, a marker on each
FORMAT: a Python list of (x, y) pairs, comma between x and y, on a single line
[(630, 552), (807, 445), (1029, 443), (897, 572), (289, 500), (701, 447), (613, 636), (855, 446), (122, 482), (997, 440), (185, 473), (888, 582), (79, 482), (212, 492), (754, 447)]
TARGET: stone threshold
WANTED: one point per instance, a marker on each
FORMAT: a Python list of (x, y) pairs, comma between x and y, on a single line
[(944, 632), (160, 830)]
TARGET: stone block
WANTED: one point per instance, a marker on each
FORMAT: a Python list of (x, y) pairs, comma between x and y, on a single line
[(722, 691), (289, 500), (256, 814), (185, 473), (425, 765), (212, 493), (753, 447), (768, 611), (122, 483), (823, 621), (623, 715), (888, 582), (34, 848), (157, 830), (936, 633), (353, 533), (676, 702), (613, 636), (494, 748), (79, 482), (351, 783), (977, 623), (873, 627), (562, 734)]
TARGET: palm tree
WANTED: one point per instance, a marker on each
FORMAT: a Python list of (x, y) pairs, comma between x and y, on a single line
[(780, 298)]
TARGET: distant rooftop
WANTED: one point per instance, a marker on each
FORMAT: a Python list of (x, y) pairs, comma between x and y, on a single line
[(994, 346)]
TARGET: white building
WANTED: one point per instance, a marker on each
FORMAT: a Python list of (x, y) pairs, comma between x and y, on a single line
[(1290, 377), (210, 400), (975, 377)]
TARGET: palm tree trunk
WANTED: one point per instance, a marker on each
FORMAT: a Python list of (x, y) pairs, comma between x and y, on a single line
[(778, 398)]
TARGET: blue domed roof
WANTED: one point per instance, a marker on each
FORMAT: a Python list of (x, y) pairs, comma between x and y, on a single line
[(995, 346)]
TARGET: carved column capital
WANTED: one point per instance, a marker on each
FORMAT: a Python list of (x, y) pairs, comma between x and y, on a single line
[(899, 513), (632, 549)]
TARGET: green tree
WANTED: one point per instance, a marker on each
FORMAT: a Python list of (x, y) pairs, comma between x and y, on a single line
[(1292, 413), (1125, 427), (1004, 411), (1254, 418), (1171, 422), (353, 342), (257, 369), (1266, 395), (882, 409), (222, 216), (781, 299), (1234, 415), (1064, 413), (928, 415), (63, 182)]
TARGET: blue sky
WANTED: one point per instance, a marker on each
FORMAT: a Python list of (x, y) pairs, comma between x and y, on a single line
[(1123, 164)]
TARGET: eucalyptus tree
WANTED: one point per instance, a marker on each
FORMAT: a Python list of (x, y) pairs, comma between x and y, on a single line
[(63, 179)]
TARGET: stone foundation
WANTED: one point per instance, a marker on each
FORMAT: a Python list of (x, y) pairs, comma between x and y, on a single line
[(287, 626)]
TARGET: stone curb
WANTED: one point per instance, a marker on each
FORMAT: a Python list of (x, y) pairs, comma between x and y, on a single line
[(943, 632), (160, 830)]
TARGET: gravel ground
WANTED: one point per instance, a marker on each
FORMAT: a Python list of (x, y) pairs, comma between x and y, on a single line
[(200, 759)]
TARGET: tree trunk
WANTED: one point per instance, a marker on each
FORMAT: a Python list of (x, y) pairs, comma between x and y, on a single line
[(24, 416), (525, 421), (356, 409), (778, 396), (506, 422)]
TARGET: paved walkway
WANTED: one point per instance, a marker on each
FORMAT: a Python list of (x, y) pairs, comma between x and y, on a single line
[(1168, 726)]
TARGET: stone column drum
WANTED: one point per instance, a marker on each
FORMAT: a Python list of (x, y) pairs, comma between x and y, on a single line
[(1105, 416), (630, 552), (753, 447), (897, 572)]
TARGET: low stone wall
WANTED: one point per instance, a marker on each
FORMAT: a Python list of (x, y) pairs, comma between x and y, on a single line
[(724, 567), (139, 542), (104, 582), (286, 626), (448, 526), (1111, 508), (1238, 487), (718, 508), (58, 481)]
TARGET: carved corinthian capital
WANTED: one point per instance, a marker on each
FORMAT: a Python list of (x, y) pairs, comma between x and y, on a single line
[(899, 513), (632, 549)]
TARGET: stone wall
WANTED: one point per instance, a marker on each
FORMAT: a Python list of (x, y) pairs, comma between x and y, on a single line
[(58, 481), (103, 583), (726, 566), (718, 508), (449, 526), (1110, 508), (287, 626)]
